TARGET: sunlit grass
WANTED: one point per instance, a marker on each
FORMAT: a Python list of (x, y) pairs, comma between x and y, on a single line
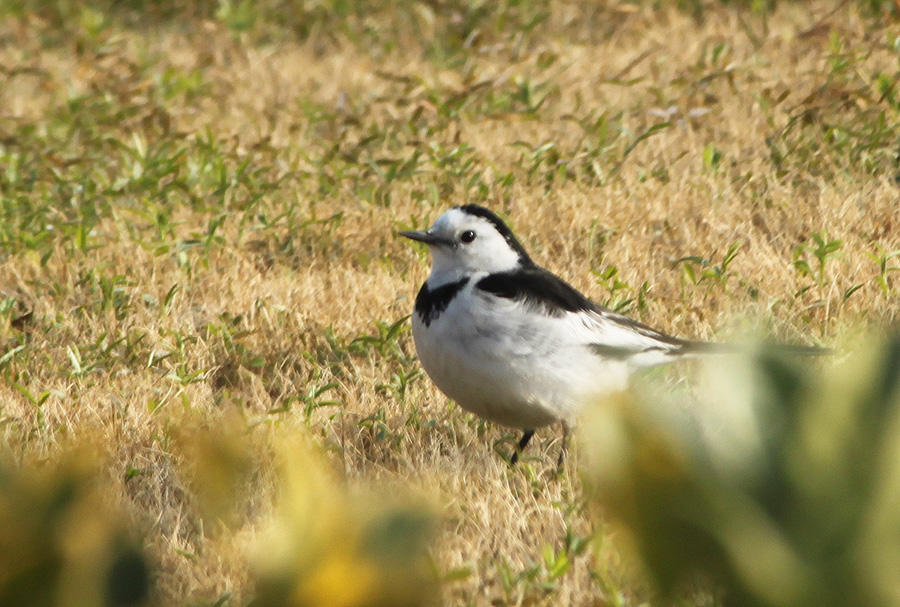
[(198, 208)]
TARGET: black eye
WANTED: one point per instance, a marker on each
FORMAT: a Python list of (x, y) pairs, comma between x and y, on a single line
[(467, 236)]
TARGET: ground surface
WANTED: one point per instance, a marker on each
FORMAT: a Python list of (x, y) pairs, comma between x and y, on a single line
[(199, 208)]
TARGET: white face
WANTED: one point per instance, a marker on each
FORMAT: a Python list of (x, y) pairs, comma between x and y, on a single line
[(462, 243)]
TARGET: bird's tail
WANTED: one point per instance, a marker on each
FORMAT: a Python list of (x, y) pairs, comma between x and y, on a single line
[(703, 348), (676, 350)]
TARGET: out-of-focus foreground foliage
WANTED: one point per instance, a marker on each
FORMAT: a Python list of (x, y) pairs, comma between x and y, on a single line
[(62, 543), (783, 492), (330, 548)]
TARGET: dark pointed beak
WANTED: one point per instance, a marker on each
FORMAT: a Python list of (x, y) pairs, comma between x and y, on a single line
[(426, 237)]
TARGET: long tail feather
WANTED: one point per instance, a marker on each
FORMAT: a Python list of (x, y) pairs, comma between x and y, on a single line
[(706, 347)]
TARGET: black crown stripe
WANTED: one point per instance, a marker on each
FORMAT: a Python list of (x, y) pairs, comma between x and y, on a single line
[(479, 211)]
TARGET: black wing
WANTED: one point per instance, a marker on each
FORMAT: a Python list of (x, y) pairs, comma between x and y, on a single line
[(538, 288), (553, 296)]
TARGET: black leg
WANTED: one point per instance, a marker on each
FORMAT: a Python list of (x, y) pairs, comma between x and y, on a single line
[(522, 444), (565, 446)]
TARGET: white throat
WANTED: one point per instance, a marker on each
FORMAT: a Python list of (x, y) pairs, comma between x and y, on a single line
[(449, 266)]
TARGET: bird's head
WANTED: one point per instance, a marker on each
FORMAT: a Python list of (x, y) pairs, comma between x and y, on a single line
[(467, 240)]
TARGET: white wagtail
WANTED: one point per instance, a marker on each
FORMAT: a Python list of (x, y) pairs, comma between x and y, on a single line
[(514, 343)]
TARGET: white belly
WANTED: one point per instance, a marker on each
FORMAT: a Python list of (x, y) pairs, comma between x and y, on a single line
[(519, 370)]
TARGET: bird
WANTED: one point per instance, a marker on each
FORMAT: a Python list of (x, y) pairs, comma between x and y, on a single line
[(514, 343)]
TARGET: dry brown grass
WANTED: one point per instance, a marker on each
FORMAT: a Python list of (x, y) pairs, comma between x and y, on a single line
[(263, 312)]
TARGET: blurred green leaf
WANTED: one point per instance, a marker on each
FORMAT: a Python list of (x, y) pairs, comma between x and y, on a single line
[(784, 490)]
